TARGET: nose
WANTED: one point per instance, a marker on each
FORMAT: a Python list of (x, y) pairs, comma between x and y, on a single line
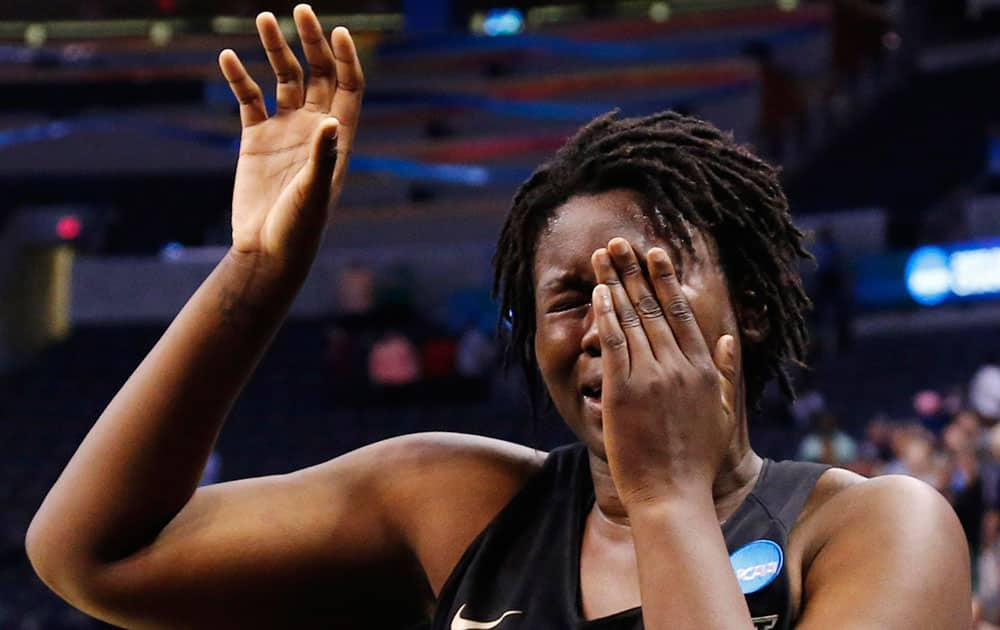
[(590, 343)]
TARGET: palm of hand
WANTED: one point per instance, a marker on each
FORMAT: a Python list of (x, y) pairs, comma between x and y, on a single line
[(289, 172), (272, 154)]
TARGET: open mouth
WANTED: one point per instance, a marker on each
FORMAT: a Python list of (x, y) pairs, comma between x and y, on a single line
[(592, 393)]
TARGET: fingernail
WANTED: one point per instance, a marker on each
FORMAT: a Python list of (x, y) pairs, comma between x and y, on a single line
[(604, 297), (657, 255), (618, 246)]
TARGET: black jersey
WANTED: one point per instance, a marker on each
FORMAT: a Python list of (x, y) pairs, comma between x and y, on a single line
[(522, 571)]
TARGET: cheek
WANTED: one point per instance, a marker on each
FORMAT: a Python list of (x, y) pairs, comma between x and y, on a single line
[(556, 346), (712, 311)]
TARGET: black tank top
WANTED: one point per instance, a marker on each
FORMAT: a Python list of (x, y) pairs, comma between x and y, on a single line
[(523, 569)]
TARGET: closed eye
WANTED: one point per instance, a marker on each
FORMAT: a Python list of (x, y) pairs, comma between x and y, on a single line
[(569, 305), (568, 293)]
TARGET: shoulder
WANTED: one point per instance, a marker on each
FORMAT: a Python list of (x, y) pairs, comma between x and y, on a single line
[(888, 548), (419, 463), (448, 465), (844, 503), (830, 484), (419, 450), (442, 489), (842, 497)]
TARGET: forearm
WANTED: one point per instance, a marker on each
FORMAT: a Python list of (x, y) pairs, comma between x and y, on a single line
[(141, 461), (685, 577)]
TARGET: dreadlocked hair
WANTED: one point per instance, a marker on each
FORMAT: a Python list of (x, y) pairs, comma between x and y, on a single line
[(691, 175)]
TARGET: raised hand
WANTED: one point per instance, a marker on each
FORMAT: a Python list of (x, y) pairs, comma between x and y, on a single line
[(292, 165), (667, 401)]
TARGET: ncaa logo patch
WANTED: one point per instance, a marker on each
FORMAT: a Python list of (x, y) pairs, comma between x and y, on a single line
[(756, 564)]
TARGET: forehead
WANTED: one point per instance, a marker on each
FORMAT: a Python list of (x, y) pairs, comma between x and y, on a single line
[(587, 222)]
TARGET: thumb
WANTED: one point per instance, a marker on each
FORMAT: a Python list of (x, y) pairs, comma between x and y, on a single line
[(323, 159), (725, 362)]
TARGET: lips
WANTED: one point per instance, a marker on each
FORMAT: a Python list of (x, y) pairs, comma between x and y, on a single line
[(593, 405), (592, 391)]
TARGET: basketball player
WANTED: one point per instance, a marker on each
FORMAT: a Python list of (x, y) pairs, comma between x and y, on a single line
[(649, 270)]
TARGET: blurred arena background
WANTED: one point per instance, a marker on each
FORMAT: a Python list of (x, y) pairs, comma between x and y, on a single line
[(118, 143)]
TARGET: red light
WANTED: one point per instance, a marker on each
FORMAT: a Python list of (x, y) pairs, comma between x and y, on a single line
[(68, 227), (166, 6)]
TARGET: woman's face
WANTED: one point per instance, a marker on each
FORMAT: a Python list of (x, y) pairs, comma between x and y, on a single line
[(567, 345)]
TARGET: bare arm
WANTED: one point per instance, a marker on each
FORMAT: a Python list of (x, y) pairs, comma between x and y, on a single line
[(141, 461), (123, 534), (893, 556), (364, 540), (685, 533), (668, 416), (120, 534)]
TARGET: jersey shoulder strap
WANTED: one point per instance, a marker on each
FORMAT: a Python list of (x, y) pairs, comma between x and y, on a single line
[(786, 488)]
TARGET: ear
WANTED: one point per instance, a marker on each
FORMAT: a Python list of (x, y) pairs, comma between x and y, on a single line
[(752, 315)]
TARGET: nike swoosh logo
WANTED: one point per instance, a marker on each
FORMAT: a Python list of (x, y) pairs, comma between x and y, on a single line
[(458, 623)]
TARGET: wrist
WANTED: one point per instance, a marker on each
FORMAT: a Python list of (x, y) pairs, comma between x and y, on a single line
[(670, 497), (264, 273), (255, 288), (677, 514)]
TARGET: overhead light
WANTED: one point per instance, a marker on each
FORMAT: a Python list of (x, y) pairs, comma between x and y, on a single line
[(160, 33), (35, 35), (659, 11), (476, 22)]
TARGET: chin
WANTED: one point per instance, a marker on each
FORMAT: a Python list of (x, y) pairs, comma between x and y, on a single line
[(588, 428), (593, 437)]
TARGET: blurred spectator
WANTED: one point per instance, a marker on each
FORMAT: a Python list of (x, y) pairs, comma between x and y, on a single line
[(988, 570), (394, 293), (393, 361), (807, 404), (827, 444), (355, 293), (978, 623), (953, 402), (927, 406), (965, 488), (476, 353), (968, 421), (476, 359), (876, 450), (439, 357), (914, 455), (342, 355), (984, 391)]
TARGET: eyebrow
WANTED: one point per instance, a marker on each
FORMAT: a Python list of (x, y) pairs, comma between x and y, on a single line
[(570, 280), (565, 280)]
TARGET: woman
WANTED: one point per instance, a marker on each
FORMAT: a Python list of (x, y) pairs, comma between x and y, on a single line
[(649, 270)]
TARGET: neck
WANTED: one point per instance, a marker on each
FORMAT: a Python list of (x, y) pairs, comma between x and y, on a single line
[(734, 482)]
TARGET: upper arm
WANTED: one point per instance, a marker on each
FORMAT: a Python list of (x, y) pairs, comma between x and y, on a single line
[(892, 555), (454, 485), (327, 545)]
